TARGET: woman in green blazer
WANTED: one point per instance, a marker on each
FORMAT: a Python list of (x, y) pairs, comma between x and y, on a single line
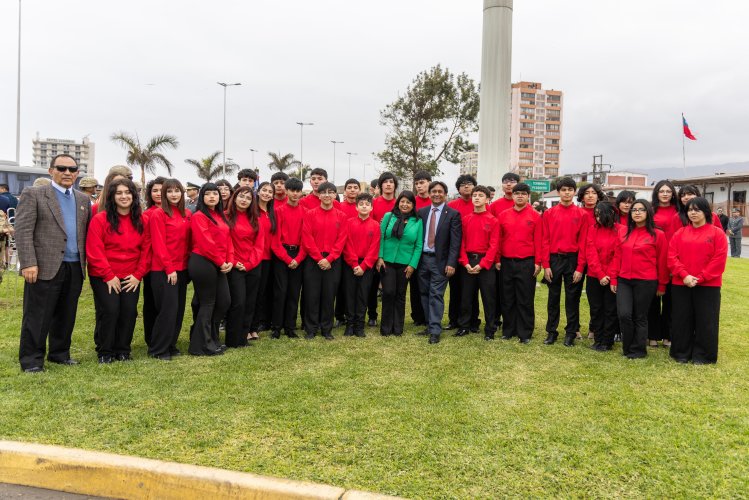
[(402, 236)]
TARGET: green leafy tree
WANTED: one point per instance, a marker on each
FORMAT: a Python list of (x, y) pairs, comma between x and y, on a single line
[(430, 122), (207, 168), (147, 157)]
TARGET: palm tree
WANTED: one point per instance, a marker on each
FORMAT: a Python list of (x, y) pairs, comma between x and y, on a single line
[(281, 163), (148, 157), (304, 172), (207, 168)]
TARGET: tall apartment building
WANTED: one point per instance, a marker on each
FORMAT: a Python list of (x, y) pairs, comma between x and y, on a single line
[(535, 130), (83, 152)]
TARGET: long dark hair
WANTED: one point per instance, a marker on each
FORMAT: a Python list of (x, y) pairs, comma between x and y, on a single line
[(201, 207), (135, 209), (605, 214), (624, 196), (599, 192), (703, 205), (270, 206), (649, 219), (681, 207), (149, 200), (657, 188), (401, 218), (251, 212), (167, 207)]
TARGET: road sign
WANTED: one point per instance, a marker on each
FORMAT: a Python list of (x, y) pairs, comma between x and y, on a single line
[(539, 186)]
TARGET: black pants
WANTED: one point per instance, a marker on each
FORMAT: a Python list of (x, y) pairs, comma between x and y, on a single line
[(518, 293), (456, 295), (417, 310), (633, 299), (319, 295), (562, 268), (340, 299), (49, 308), (356, 289), (604, 321), (484, 282), (115, 318), (243, 289), (149, 309), (372, 297), (500, 299), (659, 316), (394, 283), (212, 290), (696, 315), (170, 306), (287, 286), (263, 310)]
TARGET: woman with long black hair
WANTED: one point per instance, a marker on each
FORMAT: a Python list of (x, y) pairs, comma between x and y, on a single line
[(117, 260), (244, 278), (170, 242), (210, 261), (267, 220), (622, 204), (642, 273), (681, 219), (697, 259), (401, 241), (153, 203)]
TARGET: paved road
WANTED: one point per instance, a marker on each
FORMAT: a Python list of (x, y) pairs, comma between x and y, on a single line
[(8, 491)]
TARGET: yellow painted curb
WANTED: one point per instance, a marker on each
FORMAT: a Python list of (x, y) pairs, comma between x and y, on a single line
[(117, 476)]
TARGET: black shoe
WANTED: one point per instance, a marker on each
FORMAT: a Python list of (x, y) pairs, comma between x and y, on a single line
[(106, 360), (434, 339), (475, 328), (372, 322), (163, 357), (276, 334), (451, 326), (398, 334), (349, 331), (174, 352), (489, 336), (603, 348), (506, 337), (291, 334), (419, 323), (384, 334), (222, 348), (217, 352), (33, 369), (309, 336), (551, 338), (681, 360), (569, 340), (462, 332), (123, 357), (594, 346), (425, 331), (525, 341), (68, 362), (328, 336), (361, 334), (617, 338)]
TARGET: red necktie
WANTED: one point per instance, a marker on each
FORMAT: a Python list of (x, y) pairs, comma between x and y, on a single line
[(432, 228)]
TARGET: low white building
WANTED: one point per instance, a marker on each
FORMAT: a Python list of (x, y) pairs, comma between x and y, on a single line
[(722, 191)]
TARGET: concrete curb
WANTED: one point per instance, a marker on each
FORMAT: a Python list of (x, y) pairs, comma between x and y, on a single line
[(116, 476)]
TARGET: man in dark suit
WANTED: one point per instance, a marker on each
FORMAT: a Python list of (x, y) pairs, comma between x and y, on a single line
[(439, 258), (51, 225)]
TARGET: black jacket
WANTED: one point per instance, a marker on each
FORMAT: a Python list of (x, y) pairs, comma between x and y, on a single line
[(448, 235)]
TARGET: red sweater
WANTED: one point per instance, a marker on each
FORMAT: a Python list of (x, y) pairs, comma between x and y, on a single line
[(362, 241), (676, 224), (663, 217), (248, 244), (464, 207), (113, 254), (381, 206), (264, 226), (289, 221), (563, 232), (349, 209), (500, 205), (701, 252), (313, 201), (170, 240), (520, 234), (324, 231), (601, 248), (422, 202), (277, 203), (480, 235), (623, 219), (210, 240), (642, 257)]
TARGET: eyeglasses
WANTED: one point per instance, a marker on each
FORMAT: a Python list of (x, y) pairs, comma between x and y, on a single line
[(693, 209), (638, 210), (61, 169)]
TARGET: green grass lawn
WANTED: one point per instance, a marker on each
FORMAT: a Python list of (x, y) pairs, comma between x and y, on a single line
[(464, 418)]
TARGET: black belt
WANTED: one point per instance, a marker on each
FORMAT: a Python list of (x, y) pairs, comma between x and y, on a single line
[(565, 254), (324, 254), (361, 259), (429, 253), (473, 255), (516, 259), (291, 248)]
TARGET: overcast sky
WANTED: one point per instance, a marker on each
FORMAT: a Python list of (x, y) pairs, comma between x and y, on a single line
[(628, 70)]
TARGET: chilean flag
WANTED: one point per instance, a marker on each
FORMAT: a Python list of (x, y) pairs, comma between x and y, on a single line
[(687, 133)]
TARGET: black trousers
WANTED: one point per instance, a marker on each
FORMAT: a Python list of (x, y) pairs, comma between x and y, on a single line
[(484, 282), (696, 316), (49, 308), (456, 295), (372, 296), (500, 299), (356, 289), (319, 290), (562, 269), (150, 311), (340, 299), (604, 321), (212, 290), (287, 287), (243, 289), (115, 318), (659, 316), (263, 310), (518, 293), (633, 299), (394, 283), (417, 310), (170, 311)]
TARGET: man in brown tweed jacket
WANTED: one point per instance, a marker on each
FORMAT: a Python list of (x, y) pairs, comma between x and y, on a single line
[(51, 225)]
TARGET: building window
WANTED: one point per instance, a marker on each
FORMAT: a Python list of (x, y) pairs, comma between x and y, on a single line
[(552, 127)]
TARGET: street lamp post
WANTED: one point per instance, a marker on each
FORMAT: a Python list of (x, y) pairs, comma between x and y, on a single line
[(349, 162), (18, 93), (334, 143), (301, 145), (223, 153), (253, 151)]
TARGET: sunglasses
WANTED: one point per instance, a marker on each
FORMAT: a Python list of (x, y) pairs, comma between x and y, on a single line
[(72, 170)]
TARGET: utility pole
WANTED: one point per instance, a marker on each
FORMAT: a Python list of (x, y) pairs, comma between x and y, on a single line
[(597, 172), (223, 152), (301, 146), (334, 143)]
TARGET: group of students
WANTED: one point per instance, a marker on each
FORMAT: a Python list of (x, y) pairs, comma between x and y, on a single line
[(255, 254)]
